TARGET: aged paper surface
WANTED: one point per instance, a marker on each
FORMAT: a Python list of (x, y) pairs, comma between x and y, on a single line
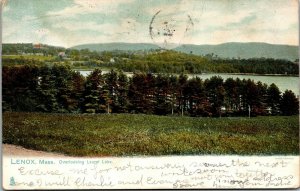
[(133, 94), (151, 172)]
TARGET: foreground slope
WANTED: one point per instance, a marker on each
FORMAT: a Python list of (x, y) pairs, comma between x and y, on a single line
[(128, 134)]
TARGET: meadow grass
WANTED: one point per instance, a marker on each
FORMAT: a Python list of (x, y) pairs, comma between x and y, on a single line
[(137, 134)]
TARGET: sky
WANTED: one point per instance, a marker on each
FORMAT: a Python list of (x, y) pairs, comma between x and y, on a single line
[(72, 22)]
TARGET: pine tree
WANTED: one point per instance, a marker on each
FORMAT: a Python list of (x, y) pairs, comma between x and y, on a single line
[(141, 93), (261, 102), (93, 95), (215, 93), (232, 97), (273, 99), (19, 86), (172, 99), (289, 104), (63, 84), (182, 99), (162, 95), (122, 93), (194, 92), (250, 97), (76, 94), (47, 91), (110, 92)]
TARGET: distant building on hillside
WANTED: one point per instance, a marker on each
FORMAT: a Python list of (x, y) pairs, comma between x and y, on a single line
[(38, 46), (112, 60), (62, 54)]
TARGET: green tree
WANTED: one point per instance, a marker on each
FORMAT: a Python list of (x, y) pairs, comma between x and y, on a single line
[(216, 93), (122, 102), (111, 86), (47, 91), (19, 86), (261, 102), (232, 96), (194, 92), (174, 93), (250, 97), (289, 104), (93, 95), (182, 99), (63, 84), (76, 93), (273, 99), (141, 93), (162, 95)]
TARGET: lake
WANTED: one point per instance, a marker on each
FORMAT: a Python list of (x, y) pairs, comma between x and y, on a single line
[(283, 82)]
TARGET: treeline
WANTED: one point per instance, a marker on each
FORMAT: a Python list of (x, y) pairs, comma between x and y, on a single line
[(28, 48), (176, 62), (156, 61), (58, 89)]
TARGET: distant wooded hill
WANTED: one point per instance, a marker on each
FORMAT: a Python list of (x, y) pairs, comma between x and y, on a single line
[(117, 46), (148, 58), (226, 50), (30, 48), (244, 50)]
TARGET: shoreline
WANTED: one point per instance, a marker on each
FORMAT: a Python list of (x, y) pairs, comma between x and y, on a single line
[(248, 74), (243, 74)]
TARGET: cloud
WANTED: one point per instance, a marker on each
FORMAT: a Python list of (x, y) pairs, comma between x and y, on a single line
[(42, 32), (214, 22), (5, 8), (9, 27), (82, 25), (127, 30), (246, 21), (82, 7), (28, 18)]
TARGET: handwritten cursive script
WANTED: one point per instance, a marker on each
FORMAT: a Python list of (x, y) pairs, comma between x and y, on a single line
[(154, 172)]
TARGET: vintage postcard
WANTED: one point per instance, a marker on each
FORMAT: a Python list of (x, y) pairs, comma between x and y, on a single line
[(150, 94)]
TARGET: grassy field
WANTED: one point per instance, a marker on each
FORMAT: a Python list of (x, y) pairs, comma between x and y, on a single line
[(128, 134)]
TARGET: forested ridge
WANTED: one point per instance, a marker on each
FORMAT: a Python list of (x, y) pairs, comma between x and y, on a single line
[(58, 89), (150, 61), (176, 62)]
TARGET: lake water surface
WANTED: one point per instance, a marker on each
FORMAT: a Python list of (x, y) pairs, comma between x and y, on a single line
[(283, 82)]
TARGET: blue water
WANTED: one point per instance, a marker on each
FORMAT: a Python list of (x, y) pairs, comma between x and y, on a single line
[(283, 82)]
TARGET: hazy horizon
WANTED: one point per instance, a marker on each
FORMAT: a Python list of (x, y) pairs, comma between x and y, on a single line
[(95, 43)]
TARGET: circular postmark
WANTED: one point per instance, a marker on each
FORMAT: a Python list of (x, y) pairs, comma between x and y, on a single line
[(168, 30)]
